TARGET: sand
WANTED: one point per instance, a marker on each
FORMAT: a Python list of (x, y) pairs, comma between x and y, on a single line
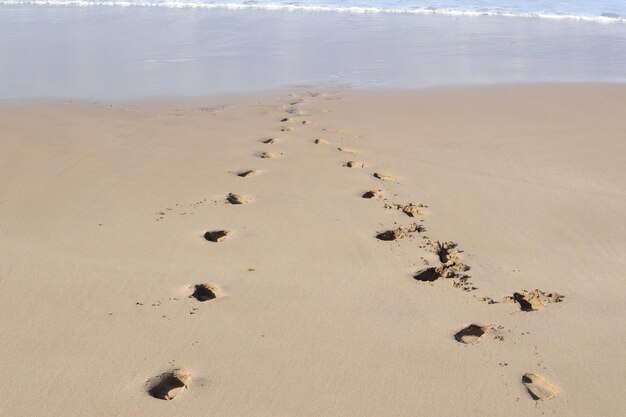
[(461, 254)]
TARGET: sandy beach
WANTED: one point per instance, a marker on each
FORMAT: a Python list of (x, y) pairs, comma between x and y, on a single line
[(316, 252)]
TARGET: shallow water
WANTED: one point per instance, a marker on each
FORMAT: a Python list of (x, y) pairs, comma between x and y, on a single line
[(125, 52)]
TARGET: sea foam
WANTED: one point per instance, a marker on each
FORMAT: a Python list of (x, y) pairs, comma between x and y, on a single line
[(608, 11)]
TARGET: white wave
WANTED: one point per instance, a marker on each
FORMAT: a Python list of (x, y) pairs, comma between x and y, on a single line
[(418, 10)]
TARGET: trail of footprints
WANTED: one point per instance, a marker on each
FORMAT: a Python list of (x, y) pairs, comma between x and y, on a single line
[(168, 385)]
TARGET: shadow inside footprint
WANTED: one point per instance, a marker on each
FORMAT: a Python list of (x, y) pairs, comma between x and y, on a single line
[(354, 164), (169, 384), (203, 292), (538, 387), (524, 305), (237, 199), (246, 173), (216, 235), (399, 232), (383, 176), (533, 300), (387, 235), (429, 274), (470, 335), (372, 194)]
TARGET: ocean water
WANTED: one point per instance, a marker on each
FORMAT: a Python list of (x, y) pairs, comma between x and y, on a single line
[(599, 10), (66, 50)]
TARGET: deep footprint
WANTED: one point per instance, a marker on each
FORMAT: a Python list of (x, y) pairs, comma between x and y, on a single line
[(216, 235), (429, 274), (533, 300), (169, 385), (270, 141), (471, 334), (237, 199), (372, 194), (538, 387), (204, 292), (398, 233)]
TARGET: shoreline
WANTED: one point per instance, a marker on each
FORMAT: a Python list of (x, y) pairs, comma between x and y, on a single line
[(222, 100), (316, 300)]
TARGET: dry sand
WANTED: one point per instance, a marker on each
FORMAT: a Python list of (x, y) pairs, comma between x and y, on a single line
[(303, 298)]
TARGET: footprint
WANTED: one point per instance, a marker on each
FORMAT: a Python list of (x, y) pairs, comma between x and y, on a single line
[(269, 155), (247, 173), (354, 164), (321, 142), (348, 150), (471, 334), (372, 194), (285, 129), (168, 385), (410, 209), (445, 251), (237, 199), (533, 300), (270, 141), (538, 387), (284, 120), (429, 274), (204, 292), (399, 232), (384, 177), (450, 258), (216, 235)]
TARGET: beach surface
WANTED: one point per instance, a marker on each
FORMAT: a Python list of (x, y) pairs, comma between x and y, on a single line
[(316, 252)]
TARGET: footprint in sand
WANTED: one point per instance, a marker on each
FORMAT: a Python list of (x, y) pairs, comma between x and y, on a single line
[(284, 120), (384, 177), (429, 274), (247, 173), (354, 164), (538, 387), (269, 155), (205, 292), (399, 232), (348, 150), (270, 141), (216, 235), (533, 300), (471, 334), (372, 194), (410, 209), (321, 142), (285, 129), (237, 199), (169, 385)]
